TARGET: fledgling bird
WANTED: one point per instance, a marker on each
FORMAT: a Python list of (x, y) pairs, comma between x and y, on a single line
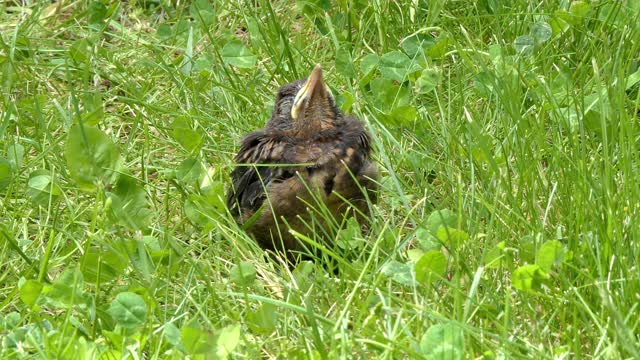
[(308, 153)]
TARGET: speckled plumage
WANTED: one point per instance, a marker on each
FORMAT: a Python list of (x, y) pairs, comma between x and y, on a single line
[(310, 159)]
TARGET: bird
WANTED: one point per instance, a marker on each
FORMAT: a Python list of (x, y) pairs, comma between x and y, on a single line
[(309, 155)]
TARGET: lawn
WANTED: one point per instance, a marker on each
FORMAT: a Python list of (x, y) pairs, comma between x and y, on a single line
[(506, 134)]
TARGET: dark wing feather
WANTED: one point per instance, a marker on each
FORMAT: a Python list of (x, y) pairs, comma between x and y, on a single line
[(249, 179)]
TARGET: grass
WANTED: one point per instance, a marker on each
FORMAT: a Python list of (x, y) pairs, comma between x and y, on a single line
[(506, 133)]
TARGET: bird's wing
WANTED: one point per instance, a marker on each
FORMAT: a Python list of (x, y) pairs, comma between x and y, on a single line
[(257, 160)]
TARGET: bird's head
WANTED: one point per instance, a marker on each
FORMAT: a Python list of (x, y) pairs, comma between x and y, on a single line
[(307, 105)]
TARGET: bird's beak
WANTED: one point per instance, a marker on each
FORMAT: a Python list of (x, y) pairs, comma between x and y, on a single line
[(312, 87)]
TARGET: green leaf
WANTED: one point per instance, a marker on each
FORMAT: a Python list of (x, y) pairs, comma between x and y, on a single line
[(42, 188), (10, 321), (395, 65), (243, 274), (128, 310), (345, 101), (187, 60), (443, 341), (416, 45), (524, 44), (558, 23), (30, 291), (202, 11), (496, 256), (313, 8), (578, 10), (196, 210), (7, 73), (91, 157), (550, 255), (344, 63), (388, 95), (303, 277), (441, 218), (6, 173), (164, 31), (236, 54), (190, 170), (485, 83), (350, 236), (414, 255), (195, 339), (101, 265), (226, 340), (97, 12), (426, 240), (129, 203), (527, 249), (66, 290), (188, 138), (428, 80), (264, 319), (369, 64), (452, 237), (398, 272), (172, 334), (368, 67), (441, 47), (404, 115), (529, 278), (93, 108), (431, 266), (15, 155), (632, 79), (203, 210), (541, 32), (80, 51)]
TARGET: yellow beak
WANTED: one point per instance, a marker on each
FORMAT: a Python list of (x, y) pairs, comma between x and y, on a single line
[(314, 83)]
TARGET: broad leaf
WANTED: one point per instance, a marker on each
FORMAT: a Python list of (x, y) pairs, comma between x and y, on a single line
[(66, 290), (195, 339), (102, 265), (524, 44), (496, 256), (443, 341), (399, 273), (129, 204), (6, 173), (129, 310), (416, 45), (91, 157), (15, 155), (541, 32), (452, 237), (428, 80), (236, 54), (395, 65), (42, 188), (226, 341), (441, 218), (264, 319), (344, 63), (243, 274), (189, 171), (29, 291), (181, 131), (529, 278), (431, 266), (550, 255)]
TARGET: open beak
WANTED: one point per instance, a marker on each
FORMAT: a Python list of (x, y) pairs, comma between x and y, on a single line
[(312, 87)]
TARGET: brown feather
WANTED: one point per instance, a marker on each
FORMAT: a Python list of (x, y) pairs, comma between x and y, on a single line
[(284, 168)]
